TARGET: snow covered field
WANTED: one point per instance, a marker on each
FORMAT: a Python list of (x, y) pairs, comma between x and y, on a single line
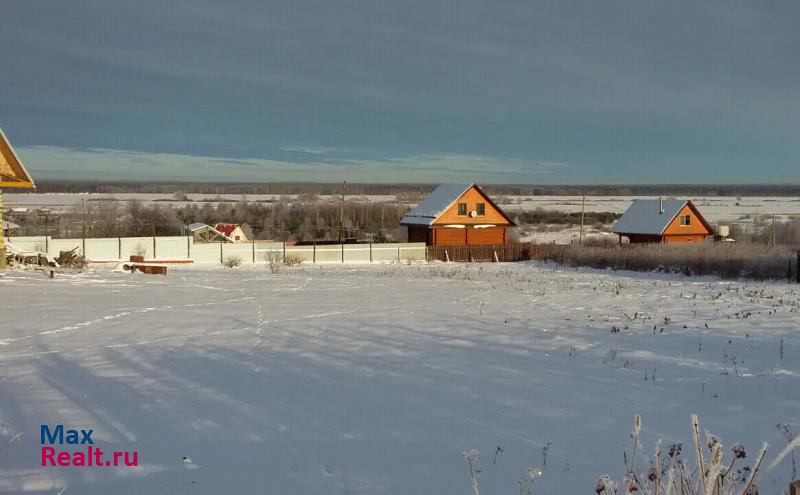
[(715, 208), (374, 379)]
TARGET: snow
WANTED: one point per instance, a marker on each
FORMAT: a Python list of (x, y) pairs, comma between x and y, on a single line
[(375, 379)]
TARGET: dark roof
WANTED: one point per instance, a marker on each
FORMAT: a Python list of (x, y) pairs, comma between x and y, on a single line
[(650, 216)]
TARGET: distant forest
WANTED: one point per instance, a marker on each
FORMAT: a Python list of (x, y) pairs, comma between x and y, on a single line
[(383, 189)]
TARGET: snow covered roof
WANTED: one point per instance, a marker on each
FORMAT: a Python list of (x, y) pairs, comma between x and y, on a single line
[(645, 216), (9, 225), (435, 204), (196, 226), (226, 228)]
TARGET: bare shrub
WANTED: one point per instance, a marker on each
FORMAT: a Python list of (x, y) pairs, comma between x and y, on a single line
[(140, 250), (293, 260), (708, 474), (232, 261), (274, 260), (725, 260)]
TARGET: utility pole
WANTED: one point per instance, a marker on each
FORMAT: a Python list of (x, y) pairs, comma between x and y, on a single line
[(772, 232), (83, 218), (583, 212), (2, 235), (341, 213)]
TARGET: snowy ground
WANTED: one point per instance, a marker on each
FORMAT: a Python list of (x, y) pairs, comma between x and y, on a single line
[(374, 379), (717, 209)]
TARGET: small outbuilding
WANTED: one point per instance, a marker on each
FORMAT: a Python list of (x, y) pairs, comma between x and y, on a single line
[(457, 214), (201, 233), (9, 228), (233, 231), (662, 220)]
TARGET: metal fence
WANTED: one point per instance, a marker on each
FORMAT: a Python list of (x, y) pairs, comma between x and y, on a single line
[(184, 248)]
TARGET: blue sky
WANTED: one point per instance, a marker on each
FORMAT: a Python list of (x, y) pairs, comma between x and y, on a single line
[(503, 91)]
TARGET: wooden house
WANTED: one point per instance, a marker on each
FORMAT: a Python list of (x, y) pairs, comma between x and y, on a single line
[(457, 214), (662, 220)]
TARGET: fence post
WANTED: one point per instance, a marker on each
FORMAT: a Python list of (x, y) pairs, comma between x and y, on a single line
[(342, 246), (284, 252), (188, 247), (314, 253), (370, 252), (398, 254), (797, 268), (254, 250), (220, 253)]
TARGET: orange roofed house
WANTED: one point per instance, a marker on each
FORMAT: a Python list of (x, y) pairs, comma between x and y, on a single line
[(662, 220), (457, 214)]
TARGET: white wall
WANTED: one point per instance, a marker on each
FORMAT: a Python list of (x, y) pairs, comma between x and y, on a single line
[(181, 248)]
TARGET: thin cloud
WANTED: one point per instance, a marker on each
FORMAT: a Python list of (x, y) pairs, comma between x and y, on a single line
[(50, 162)]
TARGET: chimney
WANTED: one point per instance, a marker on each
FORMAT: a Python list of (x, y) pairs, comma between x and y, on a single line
[(661, 205)]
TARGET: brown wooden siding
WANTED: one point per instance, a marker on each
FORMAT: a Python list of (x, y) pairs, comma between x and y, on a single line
[(486, 236), (681, 238), (643, 238), (417, 234), (449, 237)]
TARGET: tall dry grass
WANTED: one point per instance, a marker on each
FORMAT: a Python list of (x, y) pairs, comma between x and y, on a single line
[(726, 260)]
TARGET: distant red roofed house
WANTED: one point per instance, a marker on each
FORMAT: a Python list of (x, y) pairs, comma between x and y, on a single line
[(233, 231)]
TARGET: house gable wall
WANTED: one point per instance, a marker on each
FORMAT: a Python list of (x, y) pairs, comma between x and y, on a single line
[(696, 227), (471, 197)]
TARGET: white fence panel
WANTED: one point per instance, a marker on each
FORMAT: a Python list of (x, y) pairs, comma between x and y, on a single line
[(329, 254), (173, 248), (414, 251), (29, 243), (357, 253), (303, 253), (102, 249), (207, 252), (179, 247), (137, 246), (242, 251), (262, 248)]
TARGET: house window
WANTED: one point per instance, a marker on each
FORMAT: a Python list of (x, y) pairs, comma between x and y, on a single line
[(686, 220), (481, 209), (462, 209)]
